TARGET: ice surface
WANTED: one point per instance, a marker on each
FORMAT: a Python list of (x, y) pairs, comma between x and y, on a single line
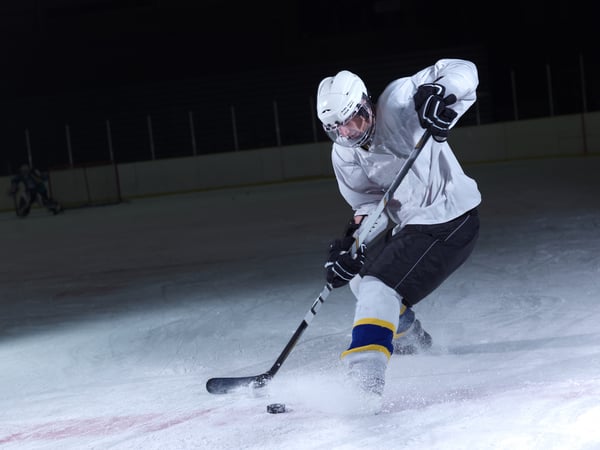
[(113, 319)]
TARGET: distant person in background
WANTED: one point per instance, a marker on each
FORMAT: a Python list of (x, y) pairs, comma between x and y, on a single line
[(433, 217), (28, 186)]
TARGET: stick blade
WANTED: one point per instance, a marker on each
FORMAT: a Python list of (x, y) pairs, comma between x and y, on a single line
[(225, 385)]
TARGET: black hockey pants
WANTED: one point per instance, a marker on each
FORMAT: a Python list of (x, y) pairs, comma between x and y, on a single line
[(419, 258)]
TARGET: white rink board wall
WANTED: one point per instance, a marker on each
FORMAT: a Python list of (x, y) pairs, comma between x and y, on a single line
[(92, 185), (567, 135)]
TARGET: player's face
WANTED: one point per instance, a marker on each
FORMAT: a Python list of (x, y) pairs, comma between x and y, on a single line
[(354, 127), (355, 130)]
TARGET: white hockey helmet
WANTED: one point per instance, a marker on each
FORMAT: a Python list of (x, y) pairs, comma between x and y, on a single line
[(345, 109)]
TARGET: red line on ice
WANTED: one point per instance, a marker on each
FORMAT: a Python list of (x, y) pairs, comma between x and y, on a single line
[(95, 426)]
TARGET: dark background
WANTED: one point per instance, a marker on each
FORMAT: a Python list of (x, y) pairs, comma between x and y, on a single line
[(82, 62)]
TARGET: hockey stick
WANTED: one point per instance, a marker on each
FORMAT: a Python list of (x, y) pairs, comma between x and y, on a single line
[(371, 221), (224, 385)]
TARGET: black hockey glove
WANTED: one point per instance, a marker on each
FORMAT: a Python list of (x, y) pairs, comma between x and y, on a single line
[(340, 266), (433, 111)]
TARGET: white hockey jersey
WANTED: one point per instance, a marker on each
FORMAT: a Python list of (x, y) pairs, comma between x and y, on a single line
[(436, 189)]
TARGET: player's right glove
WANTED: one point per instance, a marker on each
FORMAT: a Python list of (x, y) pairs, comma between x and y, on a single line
[(341, 266), (433, 111)]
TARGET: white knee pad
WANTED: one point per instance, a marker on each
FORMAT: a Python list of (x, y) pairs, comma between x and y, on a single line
[(354, 284), (375, 300)]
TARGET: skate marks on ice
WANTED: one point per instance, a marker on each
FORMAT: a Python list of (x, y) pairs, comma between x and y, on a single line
[(556, 415), (590, 339), (444, 403)]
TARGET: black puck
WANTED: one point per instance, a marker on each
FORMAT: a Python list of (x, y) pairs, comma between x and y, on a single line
[(276, 408)]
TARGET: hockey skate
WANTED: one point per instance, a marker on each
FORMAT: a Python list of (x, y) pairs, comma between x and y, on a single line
[(366, 377), (55, 208), (364, 381), (414, 340)]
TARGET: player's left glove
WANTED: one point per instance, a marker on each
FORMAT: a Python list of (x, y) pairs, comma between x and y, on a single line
[(433, 111), (341, 266)]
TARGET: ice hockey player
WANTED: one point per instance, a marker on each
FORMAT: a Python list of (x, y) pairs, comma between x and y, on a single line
[(431, 222), (28, 186)]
